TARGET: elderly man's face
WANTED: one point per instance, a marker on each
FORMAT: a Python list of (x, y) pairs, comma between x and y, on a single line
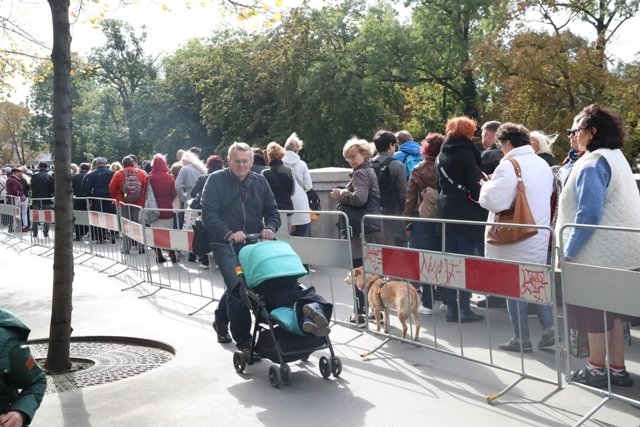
[(240, 163)]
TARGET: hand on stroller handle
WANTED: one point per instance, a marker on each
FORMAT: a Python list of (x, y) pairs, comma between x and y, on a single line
[(241, 237)]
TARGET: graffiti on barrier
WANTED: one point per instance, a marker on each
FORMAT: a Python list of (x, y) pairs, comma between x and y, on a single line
[(442, 270)]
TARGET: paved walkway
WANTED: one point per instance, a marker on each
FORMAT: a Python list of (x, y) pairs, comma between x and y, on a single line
[(400, 385)]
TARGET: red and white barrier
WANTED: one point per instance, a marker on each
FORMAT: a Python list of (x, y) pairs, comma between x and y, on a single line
[(45, 216), (528, 282), (103, 220), (165, 238), (132, 229)]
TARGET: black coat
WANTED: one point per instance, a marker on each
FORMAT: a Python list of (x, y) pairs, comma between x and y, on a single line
[(281, 182), (460, 159), (42, 185)]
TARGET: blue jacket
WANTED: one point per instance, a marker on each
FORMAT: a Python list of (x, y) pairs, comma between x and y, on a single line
[(409, 154)]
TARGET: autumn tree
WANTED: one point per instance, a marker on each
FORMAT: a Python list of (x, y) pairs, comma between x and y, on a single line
[(13, 148)]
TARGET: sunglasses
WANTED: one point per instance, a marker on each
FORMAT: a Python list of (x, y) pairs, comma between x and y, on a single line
[(572, 132)]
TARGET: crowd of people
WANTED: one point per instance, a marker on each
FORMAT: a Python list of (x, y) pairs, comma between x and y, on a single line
[(446, 176)]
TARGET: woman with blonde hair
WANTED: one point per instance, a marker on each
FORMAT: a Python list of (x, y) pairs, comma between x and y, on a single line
[(541, 144), (362, 191), (115, 166), (279, 177), (459, 176)]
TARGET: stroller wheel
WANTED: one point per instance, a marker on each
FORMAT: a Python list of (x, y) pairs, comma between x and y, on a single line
[(336, 366), (325, 367), (285, 374), (239, 361), (274, 376)]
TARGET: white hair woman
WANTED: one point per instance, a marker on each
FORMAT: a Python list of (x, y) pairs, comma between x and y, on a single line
[(541, 144), (299, 222)]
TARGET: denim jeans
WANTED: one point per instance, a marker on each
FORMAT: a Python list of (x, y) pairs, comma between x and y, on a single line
[(544, 312), (464, 246), (231, 309)]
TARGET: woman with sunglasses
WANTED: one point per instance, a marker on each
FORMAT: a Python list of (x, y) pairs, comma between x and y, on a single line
[(600, 190)]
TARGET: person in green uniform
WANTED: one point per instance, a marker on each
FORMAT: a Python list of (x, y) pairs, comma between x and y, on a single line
[(22, 382)]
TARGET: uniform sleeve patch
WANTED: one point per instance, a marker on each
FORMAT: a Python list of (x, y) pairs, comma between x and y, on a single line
[(30, 363)]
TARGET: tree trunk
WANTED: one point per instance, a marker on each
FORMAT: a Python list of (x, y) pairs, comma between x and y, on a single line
[(61, 305)]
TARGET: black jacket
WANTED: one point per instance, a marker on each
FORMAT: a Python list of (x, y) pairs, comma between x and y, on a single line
[(460, 160), (280, 181), (42, 185), (96, 183), (491, 159), (230, 205)]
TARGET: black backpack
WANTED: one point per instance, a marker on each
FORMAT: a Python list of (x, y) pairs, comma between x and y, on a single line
[(385, 183)]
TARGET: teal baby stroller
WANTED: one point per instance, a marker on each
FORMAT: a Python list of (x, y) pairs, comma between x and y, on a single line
[(283, 311)]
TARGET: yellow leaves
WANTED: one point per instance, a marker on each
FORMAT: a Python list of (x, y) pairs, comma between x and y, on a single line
[(279, 3), (165, 8)]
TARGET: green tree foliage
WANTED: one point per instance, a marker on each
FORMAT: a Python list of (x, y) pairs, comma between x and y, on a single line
[(122, 64)]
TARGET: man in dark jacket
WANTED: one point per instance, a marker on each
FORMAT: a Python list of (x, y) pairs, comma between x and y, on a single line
[(79, 203), (22, 382), (491, 155), (42, 189), (95, 185), (236, 202), (392, 181)]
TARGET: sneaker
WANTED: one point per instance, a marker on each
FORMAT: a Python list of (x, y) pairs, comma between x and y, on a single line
[(621, 378), (202, 266), (443, 306), (311, 328), (222, 332), (548, 338), (514, 345), (425, 310), (313, 313), (246, 349), (593, 377)]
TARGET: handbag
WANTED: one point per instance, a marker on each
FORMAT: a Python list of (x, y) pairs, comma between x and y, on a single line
[(519, 214), (314, 200), (428, 207), (150, 212), (355, 214), (200, 243)]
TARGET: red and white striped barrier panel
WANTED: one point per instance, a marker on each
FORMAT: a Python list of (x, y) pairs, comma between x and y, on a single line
[(527, 282), (103, 220), (165, 238), (132, 229), (46, 216)]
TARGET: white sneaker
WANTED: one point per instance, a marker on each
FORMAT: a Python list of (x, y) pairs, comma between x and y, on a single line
[(443, 306), (425, 310)]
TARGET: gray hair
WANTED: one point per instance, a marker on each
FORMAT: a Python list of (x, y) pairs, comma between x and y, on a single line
[(293, 143), (239, 146)]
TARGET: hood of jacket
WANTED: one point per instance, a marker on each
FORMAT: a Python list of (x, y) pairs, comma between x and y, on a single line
[(453, 145), (8, 320), (159, 165)]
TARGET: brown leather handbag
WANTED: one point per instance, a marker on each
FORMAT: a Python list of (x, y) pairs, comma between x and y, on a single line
[(520, 213)]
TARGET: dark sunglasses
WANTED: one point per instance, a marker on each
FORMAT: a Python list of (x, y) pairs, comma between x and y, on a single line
[(572, 132)]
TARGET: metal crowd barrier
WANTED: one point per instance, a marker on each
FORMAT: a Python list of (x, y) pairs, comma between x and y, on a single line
[(526, 282), (169, 275), (11, 223), (611, 290), (327, 252), (42, 218)]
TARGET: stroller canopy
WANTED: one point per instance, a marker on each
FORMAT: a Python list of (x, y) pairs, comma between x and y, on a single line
[(269, 259)]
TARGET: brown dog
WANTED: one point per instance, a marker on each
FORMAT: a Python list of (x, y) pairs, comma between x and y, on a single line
[(382, 294)]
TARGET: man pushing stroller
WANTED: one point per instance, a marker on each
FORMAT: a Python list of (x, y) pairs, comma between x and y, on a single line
[(237, 202)]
